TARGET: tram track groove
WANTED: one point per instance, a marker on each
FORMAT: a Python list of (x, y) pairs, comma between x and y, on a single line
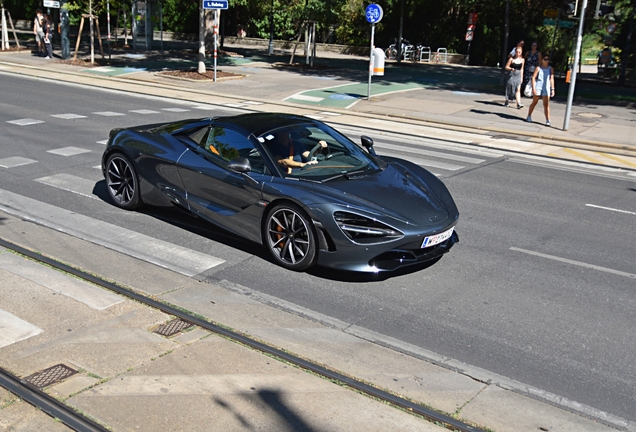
[(360, 386)]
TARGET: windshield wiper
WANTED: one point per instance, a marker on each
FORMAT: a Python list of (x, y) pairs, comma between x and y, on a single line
[(346, 174)]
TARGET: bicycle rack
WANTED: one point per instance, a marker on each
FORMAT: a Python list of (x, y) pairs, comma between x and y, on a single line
[(425, 54), (441, 56), (409, 52)]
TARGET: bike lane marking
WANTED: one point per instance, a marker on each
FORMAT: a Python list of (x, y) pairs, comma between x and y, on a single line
[(346, 95)]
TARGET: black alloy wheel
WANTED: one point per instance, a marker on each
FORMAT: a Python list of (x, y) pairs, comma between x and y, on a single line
[(289, 237), (122, 183)]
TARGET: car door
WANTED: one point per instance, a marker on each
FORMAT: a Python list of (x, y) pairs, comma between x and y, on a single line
[(215, 192)]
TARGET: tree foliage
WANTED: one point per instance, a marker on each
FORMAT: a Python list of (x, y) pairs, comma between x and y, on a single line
[(434, 23)]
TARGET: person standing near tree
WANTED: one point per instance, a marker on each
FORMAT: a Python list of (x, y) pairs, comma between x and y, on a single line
[(542, 87), (532, 61), (513, 86), (38, 31), (48, 36)]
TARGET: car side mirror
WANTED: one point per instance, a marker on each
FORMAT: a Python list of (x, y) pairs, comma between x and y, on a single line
[(241, 165), (367, 143)]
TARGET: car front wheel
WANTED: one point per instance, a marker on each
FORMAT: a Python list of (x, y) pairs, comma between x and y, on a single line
[(122, 183), (289, 237)]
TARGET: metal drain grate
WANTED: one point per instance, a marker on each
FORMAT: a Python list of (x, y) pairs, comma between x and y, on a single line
[(172, 327), (50, 376)]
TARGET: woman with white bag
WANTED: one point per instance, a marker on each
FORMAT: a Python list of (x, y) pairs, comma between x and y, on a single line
[(542, 87)]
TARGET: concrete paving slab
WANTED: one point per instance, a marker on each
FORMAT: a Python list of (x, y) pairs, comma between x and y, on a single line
[(219, 385), (22, 417), (72, 385), (507, 411), (90, 295)]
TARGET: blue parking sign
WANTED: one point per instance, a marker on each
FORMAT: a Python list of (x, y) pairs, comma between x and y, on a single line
[(374, 13)]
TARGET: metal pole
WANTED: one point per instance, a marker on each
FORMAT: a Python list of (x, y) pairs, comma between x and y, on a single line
[(579, 38), (371, 62), (504, 57), (217, 13), (161, 23), (5, 41)]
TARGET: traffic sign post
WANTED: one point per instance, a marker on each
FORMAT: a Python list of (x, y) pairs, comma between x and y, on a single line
[(470, 32), (374, 14), (215, 5)]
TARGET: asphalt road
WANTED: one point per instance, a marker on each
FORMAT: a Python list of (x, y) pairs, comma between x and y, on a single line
[(540, 289)]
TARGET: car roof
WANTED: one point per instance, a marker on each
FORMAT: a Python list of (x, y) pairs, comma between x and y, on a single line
[(259, 123)]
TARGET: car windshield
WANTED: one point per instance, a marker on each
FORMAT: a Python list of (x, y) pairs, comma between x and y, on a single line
[(314, 151)]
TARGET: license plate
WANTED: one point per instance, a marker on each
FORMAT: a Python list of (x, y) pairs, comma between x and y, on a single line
[(437, 238)]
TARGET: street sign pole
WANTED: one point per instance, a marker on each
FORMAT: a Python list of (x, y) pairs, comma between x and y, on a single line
[(374, 14), (579, 38), (371, 61)]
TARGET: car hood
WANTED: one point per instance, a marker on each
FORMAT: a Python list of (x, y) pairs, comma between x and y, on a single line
[(395, 192)]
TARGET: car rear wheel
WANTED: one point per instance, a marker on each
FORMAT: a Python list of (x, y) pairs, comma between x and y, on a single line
[(122, 183), (289, 237)]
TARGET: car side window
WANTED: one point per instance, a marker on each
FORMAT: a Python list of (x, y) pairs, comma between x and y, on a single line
[(223, 145)]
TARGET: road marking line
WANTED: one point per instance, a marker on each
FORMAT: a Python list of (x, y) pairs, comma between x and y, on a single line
[(15, 329), (440, 155), (25, 122), (315, 117), (424, 162), (70, 183), (15, 161), (610, 209), (582, 156), (144, 111), (68, 116), (103, 142), (108, 113), (167, 255), (305, 98), (577, 263), (618, 159), (175, 109), (92, 296), (68, 151)]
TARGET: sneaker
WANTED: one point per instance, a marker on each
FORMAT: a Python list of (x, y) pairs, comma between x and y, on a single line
[(547, 123), (506, 105), (47, 57), (519, 106), (529, 119)]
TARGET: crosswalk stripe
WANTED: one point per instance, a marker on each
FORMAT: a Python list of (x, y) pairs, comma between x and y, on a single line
[(440, 155), (69, 116), (68, 151), (90, 295), (70, 183), (175, 109), (425, 162), (15, 329), (25, 121), (15, 161), (144, 111), (109, 113), (176, 258)]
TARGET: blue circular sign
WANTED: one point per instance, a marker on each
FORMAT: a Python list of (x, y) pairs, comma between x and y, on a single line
[(374, 13)]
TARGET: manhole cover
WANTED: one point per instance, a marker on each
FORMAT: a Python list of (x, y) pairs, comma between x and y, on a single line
[(172, 327), (590, 115), (51, 375)]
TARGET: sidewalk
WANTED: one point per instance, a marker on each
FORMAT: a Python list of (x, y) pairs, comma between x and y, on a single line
[(437, 96), (449, 98)]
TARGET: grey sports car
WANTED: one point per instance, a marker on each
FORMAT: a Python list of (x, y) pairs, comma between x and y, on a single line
[(293, 184)]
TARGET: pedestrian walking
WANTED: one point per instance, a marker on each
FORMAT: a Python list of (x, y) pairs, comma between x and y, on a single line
[(532, 61), (513, 87), (48, 36), (513, 50), (542, 87), (38, 31)]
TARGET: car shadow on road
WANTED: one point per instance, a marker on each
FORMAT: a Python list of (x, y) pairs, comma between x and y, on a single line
[(186, 221)]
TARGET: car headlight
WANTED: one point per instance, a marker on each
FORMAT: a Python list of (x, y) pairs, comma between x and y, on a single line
[(361, 229)]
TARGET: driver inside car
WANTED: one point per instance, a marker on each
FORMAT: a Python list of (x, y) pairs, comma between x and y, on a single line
[(293, 156)]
